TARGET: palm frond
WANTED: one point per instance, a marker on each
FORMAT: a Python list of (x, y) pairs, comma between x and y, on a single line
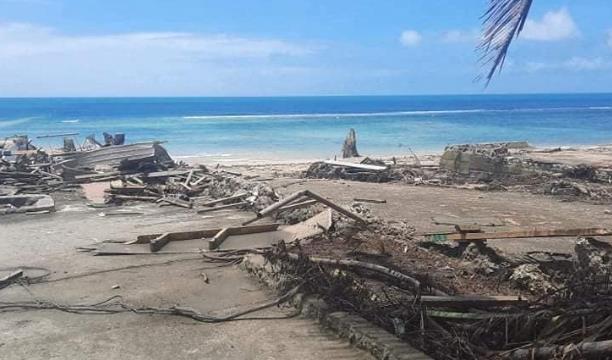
[(501, 23)]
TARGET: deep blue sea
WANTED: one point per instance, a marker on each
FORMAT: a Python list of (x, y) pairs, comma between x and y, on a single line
[(314, 127)]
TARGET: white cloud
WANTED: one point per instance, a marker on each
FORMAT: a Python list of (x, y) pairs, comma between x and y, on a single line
[(410, 38), (609, 38), (25, 39), (460, 36), (554, 26), (37, 60), (576, 63)]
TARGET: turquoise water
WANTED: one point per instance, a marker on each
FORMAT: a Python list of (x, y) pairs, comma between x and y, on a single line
[(310, 127)]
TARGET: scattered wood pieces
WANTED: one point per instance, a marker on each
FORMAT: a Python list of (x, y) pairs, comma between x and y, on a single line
[(298, 195)]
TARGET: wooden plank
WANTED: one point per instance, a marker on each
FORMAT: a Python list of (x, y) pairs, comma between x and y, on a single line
[(221, 207), (225, 199), (202, 234), (218, 239), (166, 173), (189, 176), (355, 165), (517, 234), (298, 205), (159, 242)]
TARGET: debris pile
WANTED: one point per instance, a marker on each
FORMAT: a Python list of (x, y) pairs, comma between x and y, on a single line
[(367, 171), (425, 297)]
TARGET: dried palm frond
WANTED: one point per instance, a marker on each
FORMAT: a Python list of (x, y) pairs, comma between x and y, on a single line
[(502, 22)]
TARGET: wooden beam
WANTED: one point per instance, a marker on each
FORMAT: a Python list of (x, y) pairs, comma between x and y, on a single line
[(304, 193), (207, 233), (225, 199), (159, 242), (276, 206), (189, 176), (517, 234), (298, 205), (218, 239), (221, 207), (338, 208)]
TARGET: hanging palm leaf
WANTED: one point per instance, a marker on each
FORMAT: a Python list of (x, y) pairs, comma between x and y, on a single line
[(502, 22)]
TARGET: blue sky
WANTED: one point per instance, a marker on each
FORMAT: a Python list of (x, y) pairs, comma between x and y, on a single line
[(292, 47)]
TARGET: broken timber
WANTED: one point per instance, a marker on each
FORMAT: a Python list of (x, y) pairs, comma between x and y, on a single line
[(517, 234), (226, 199), (280, 205), (221, 207), (159, 242)]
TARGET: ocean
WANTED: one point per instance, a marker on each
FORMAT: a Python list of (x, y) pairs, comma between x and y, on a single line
[(276, 128)]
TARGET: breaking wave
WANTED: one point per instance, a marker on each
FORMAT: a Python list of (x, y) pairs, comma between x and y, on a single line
[(390, 113)]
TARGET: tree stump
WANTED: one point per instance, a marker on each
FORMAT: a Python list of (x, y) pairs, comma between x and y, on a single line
[(349, 149)]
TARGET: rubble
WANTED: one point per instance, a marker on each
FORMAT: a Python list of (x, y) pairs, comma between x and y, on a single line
[(358, 172)]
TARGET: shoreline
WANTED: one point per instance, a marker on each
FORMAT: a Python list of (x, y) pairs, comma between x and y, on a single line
[(274, 159)]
